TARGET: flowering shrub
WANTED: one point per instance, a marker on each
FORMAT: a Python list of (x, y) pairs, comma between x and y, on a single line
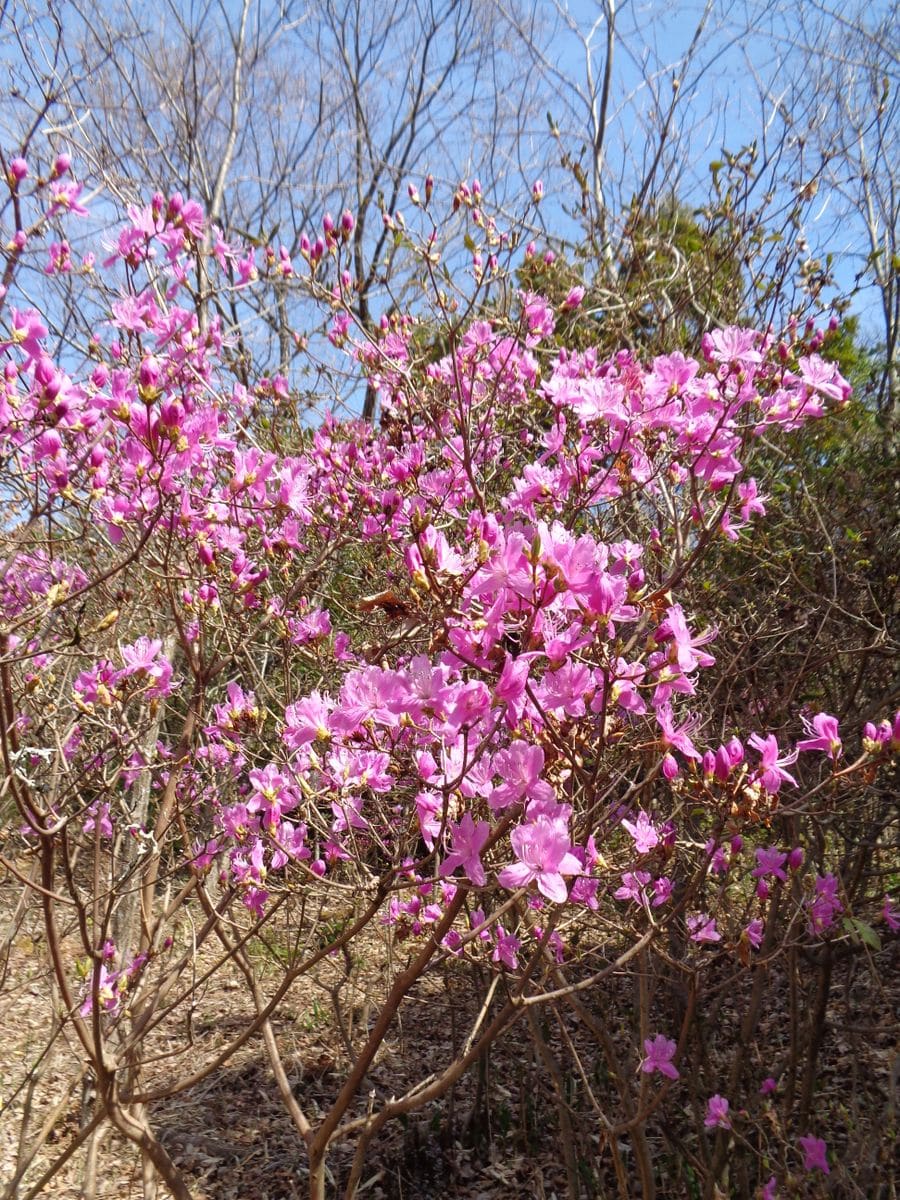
[(436, 676)]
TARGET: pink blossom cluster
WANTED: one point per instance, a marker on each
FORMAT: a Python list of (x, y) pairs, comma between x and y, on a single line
[(531, 565)]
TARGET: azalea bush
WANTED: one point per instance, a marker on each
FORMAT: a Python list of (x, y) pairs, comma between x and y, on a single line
[(281, 700)]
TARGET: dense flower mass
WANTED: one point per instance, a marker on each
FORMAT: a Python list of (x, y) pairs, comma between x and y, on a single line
[(506, 734)]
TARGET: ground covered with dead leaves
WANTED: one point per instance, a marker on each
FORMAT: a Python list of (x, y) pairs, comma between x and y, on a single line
[(496, 1135)]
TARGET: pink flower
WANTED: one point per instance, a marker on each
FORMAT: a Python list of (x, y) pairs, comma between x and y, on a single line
[(754, 933), (768, 1086), (751, 500), (98, 818), (702, 928), (507, 568), (890, 916), (825, 906), (468, 841), (28, 330), (827, 739), (141, 656), (717, 1113), (554, 943), (678, 739), (272, 795), (145, 660), (607, 598), (291, 843), (347, 815), (510, 687), (520, 766), (107, 992), (769, 861), (771, 773), (824, 377), (538, 315), (633, 884), (64, 196), (718, 860), (644, 833), (732, 345), (506, 949), (307, 721), (727, 758), (685, 646), (545, 856), (659, 1054), (814, 1154)]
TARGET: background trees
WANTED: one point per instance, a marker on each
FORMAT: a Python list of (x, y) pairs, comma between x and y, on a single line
[(272, 116)]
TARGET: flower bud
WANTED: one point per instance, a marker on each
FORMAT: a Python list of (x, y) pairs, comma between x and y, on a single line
[(722, 765), (574, 298), (148, 379), (44, 373), (735, 750), (670, 768), (171, 414)]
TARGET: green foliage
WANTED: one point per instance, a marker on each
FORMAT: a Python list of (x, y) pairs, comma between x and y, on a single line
[(678, 277), (811, 599), (673, 277)]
